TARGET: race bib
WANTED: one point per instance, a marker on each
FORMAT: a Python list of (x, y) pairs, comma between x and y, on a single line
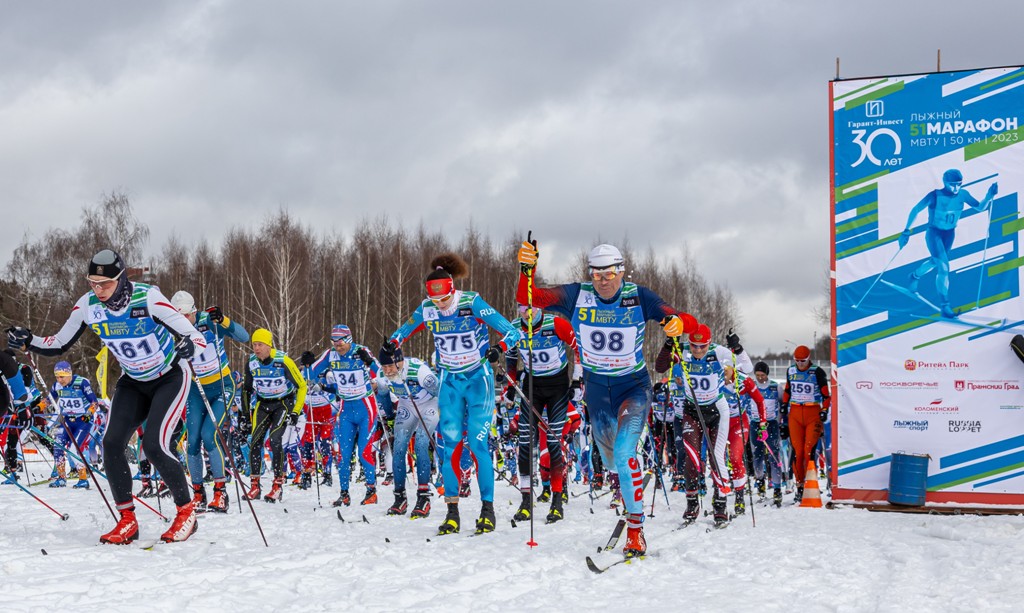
[(136, 355), (607, 347)]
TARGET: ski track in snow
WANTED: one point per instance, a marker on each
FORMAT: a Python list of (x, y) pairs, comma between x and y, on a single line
[(845, 560)]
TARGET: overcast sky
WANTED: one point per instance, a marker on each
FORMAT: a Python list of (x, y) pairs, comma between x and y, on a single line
[(672, 123)]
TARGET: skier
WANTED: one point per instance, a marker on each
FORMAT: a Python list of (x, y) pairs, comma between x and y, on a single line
[(458, 320), (76, 405), (700, 379), (15, 412), (273, 382), (737, 395), (353, 369), (320, 402), (609, 317), (214, 374), (808, 398), (551, 390), (415, 387), (767, 441), (139, 326)]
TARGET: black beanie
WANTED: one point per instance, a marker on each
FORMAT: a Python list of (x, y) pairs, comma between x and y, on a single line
[(761, 367)]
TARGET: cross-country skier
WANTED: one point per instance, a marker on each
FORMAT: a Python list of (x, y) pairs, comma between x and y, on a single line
[(139, 326), (76, 405), (808, 397), (415, 387), (214, 374), (739, 428), (610, 318), (15, 411), (459, 320), (353, 369), (274, 383), (316, 439), (551, 390), (767, 441)]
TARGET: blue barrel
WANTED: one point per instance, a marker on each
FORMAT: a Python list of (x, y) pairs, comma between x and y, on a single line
[(908, 479)]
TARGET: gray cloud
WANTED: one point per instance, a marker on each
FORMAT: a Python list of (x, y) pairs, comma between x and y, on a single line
[(678, 124)]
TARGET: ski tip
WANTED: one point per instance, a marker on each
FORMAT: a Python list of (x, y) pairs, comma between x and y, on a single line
[(365, 521), (44, 552), (340, 517), (285, 510), (513, 523), (387, 540)]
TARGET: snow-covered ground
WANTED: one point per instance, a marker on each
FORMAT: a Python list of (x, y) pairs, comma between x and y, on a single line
[(795, 560)]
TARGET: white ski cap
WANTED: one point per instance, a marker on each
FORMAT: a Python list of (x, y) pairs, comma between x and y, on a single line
[(184, 302), (604, 256)]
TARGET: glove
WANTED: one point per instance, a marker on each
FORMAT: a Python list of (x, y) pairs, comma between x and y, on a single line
[(293, 418), (577, 390), (85, 418), (18, 336), (903, 239), (673, 326), (528, 255), (185, 348), (762, 432), (492, 355), (510, 393), (389, 347), (307, 358), (216, 315), (23, 416), (732, 341), (364, 355), (823, 415)]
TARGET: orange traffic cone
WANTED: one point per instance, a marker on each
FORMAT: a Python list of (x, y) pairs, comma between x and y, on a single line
[(812, 495)]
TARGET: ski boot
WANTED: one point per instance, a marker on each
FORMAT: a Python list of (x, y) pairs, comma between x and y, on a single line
[(343, 500), (485, 523), (947, 311), (12, 478), (545, 494), (183, 526), (799, 494), (306, 482), (371, 495), (451, 520), (199, 498), (761, 489), (126, 530), (162, 490), (692, 508), (777, 497), (718, 505), (555, 512), (565, 496), (636, 544), (254, 489), (739, 506), (83, 479), (388, 479), (523, 514), (219, 504), (677, 486), (422, 508), (297, 479), (147, 491), (598, 481), (276, 491), (327, 480), (400, 506), (702, 486)]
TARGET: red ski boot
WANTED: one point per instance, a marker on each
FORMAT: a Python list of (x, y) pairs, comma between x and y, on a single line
[(636, 544), (219, 504), (126, 530), (183, 526), (254, 490), (275, 493)]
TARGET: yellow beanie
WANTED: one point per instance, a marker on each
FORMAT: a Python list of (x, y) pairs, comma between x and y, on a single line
[(262, 335)]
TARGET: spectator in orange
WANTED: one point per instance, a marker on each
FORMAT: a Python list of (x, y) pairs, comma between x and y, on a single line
[(807, 394)]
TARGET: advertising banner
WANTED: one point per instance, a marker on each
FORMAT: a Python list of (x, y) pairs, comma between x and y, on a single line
[(926, 172)]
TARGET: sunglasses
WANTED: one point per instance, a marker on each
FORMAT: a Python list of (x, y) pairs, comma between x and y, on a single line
[(700, 346), (105, 283), (607, 274), (802, 361)]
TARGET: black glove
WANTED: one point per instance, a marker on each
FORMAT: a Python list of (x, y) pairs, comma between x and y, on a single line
[(492, 355), (823, 415), (216, 315), (510, 393), (732, 341), (576, 384), (389, 347), (185, 348), (307, 358), (364, 355), (293, 418), (18, 336)]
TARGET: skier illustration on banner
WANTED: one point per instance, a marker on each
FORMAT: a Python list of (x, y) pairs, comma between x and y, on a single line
[(945, 207)]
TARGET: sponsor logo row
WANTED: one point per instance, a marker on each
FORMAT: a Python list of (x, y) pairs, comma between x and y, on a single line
[(956, 426), (959, 385)]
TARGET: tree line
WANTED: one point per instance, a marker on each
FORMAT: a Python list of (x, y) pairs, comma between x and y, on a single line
[(285, 276)]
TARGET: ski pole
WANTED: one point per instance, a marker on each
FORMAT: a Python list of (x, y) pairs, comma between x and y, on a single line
[(529, 348), (100, 473), (209, 411), (878, 278), (736, 387), (63, 516)]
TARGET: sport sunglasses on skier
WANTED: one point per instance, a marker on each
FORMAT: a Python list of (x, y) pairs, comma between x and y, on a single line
[(605, 273)]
